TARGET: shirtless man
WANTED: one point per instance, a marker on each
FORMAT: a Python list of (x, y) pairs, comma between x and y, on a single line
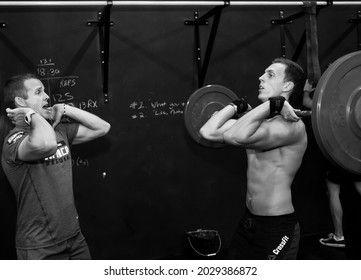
[(275, 140)]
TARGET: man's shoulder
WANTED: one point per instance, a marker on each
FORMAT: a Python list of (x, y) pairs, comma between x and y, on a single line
[(300, 134), (295, 132), (11, 144), (15, 135), (279, 120), (299, 125)]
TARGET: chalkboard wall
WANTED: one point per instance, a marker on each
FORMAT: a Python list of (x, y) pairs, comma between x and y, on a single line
[(140, 188)]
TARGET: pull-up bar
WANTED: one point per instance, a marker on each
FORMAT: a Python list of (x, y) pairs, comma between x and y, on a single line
[(170, 3)]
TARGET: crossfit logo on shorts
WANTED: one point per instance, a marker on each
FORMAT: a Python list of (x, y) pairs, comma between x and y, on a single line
[(62, 154), (281, 245), (13, 138)]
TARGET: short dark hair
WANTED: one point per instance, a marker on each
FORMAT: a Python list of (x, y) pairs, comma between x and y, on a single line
[(15, 87), (293, 73)]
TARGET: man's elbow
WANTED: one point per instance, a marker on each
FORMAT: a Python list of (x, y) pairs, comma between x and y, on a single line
[(107, 127), (205, 133), (45, 147), (227, 136), (51, 149), (104, 129)]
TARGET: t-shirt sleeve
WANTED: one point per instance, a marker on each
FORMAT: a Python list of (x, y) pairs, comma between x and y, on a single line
[(70, 130), (11, 146)]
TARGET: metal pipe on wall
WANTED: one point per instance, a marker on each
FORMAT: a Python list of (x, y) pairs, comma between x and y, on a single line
[(171, 3), (51, 3)]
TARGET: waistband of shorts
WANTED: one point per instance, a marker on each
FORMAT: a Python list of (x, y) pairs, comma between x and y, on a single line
[(291, 217)]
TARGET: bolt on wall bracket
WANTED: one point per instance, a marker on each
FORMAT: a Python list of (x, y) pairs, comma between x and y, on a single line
[(104, 25), (357, 21), (203, 20)]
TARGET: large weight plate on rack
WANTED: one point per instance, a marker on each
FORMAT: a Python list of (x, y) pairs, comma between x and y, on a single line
[(336, 118), (200, 107)]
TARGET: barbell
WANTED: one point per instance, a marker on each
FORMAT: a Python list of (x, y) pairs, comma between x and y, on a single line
[(335, 117)]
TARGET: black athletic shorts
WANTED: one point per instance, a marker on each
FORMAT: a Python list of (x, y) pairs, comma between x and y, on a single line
[(266, 238)]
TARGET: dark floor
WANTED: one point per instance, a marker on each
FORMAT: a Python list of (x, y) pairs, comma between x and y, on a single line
[(311, 249)]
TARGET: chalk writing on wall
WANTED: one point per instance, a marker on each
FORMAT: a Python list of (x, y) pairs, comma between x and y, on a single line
[(80, 162), (60, 89), (155, 108)]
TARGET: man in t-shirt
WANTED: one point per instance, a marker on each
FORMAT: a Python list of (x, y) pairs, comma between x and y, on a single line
[(37, 161)]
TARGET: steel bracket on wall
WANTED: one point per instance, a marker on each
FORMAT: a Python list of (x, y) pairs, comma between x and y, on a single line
[(287, 20), (203, 20), (356, 21), (104, 24), (282, 21)]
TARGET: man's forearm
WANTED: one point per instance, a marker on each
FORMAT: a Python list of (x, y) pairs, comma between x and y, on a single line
[(220, 118), (214, 128), (85, 118), (41, 134), (242, 132), (250, 122), (40, 142)]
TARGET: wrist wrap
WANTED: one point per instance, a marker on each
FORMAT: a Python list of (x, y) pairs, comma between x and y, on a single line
[(276, 104), (241, 106)]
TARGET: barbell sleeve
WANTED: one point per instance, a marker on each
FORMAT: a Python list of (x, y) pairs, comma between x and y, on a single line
[(302, 114)]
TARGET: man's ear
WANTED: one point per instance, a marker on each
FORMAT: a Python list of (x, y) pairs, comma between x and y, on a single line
[(288, 86), (20, 102)]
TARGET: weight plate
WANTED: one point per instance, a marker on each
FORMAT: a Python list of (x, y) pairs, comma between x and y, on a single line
[(200, 107), (336, 120)]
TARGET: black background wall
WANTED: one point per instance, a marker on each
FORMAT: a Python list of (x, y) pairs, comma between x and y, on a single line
[(140, 188)]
